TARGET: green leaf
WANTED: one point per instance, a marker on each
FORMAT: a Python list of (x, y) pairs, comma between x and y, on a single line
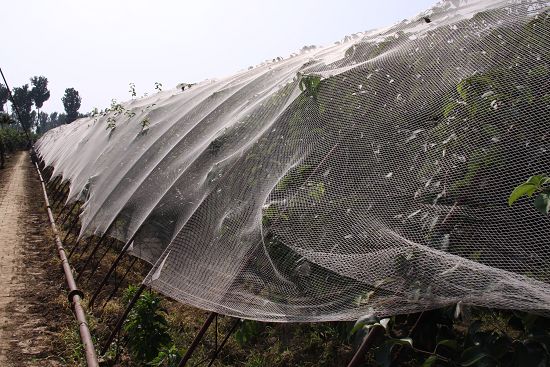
[(449, 343), (367, 320), (383, 354), (536, 180), (317, 191), (405, 341), (524, 189), (542, 203), (472, 355), (430, 362)]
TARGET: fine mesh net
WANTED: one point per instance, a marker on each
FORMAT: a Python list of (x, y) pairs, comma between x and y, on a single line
[(371, 175)]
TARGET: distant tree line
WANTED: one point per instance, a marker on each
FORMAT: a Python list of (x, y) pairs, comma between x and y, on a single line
[(24, 117), (35, 95)]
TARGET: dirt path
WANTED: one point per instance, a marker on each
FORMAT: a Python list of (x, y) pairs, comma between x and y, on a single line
[(13, 197), (31, 313)]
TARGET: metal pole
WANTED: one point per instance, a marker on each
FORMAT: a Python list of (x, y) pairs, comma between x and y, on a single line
[(61, 212), (96, 266), (75, 246), (111, 269), (197, 340), (75, 295), (119, 283), (90, 257), (53, 182), (73, 224), (86, 248), (359, 356), (69, 213), (101, 239), (59, 193), (219, 349), (56, 183), (122, 318), (58, 189), (61, 197)]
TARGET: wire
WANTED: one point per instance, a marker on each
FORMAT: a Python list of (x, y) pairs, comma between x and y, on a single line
[(27, 133)]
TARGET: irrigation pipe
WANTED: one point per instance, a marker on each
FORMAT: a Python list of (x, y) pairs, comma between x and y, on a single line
[(75, 294)]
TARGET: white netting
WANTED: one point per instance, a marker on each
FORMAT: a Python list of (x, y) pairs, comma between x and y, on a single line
[(383, 189)]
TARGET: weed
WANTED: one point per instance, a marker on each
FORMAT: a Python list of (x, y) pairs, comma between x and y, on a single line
[(146, 326)]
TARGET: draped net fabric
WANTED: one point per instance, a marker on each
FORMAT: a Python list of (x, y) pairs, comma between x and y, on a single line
[(383, 189)]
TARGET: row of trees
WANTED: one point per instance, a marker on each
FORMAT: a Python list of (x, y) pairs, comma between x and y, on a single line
[(25, 97), (24, 117)]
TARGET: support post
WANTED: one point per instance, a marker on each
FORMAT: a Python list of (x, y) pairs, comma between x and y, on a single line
[(101, 239), (197, 340), (119, 283), (75, 246), (122, 318), (61, 197), (97, 265), (69, 213), (359, 356), (59, 194), (73, 224), (94, 250), (219, 349), (111, 269)]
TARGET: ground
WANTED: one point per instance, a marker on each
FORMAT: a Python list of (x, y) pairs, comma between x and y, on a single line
[(31, 316)]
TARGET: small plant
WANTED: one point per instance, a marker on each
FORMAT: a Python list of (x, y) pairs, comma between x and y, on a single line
[(145, 124), (442, 339), (248, 332), (111, 123), (534, 185), (158, 86), (309, 84), (133, 90), (167, 357), (146, 327)]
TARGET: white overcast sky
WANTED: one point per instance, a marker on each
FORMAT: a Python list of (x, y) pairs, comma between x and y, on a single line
[(98, 47)]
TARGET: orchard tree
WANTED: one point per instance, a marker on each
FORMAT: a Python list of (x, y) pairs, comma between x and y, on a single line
[(57, 119), (40, 92), (22, 97), (71, 102), (4, 95), (42, 122)]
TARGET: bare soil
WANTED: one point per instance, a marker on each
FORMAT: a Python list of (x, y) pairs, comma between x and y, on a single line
[(31, 281)]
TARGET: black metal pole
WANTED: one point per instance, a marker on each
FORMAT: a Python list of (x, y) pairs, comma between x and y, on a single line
[(61, 212), (86, 247), (59, 194), (219, 349), (94, 250), (196, 341), (53, 183), (61, 197), (71, 227), (56, 184), (69, 213), (96, 266), (359, 356), (111, 269), (101, 239), (75, 246), (119, 283), (122, 318)]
